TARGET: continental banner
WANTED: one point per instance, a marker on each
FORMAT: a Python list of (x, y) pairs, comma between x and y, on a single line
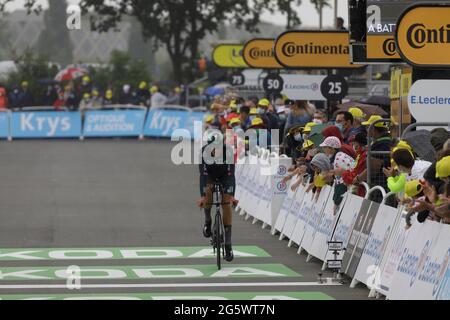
[(382, 16), (259, 53), (229, 56), (423, 35), (314, 49)]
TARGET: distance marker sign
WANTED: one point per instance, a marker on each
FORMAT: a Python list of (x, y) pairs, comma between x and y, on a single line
[(334, 88), (273, 84), (237, 79)]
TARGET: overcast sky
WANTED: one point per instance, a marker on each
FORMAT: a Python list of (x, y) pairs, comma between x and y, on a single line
[(307, 13)]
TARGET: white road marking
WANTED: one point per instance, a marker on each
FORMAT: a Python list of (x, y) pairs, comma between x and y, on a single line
[(171, 285)]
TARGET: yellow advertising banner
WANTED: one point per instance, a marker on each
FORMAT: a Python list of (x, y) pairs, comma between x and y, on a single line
[(396, 75), (229, 56), (381, 47), (314, 49), (423, 35), (406, 84), (259, 53)]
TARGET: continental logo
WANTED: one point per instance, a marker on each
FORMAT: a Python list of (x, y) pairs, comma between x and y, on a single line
[(382, 47), (418, 36), (259, 53), (314, 49), (423, 35), (291, 49)]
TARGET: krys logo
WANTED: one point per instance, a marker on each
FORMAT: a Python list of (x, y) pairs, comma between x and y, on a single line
[(282, 170), (281, 186), (442, 272)]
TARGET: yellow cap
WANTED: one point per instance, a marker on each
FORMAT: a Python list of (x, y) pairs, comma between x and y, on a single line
[(254, 112), (373, 119), (357, 113), (109, 94), (404, 145), (24, 83), (308, 144), (95, 93), (309, 126), (86, 79), (233, 105), (413, 188), (264, 103), (443, 168), (257, 122), (142, 85), (235, 121), (177, 90), (209, 119), (86, 96), (153, 89), (319, 181)]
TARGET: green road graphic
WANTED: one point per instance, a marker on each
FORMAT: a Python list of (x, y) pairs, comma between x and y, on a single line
[(123, 253), (146, 272), (180, 296)]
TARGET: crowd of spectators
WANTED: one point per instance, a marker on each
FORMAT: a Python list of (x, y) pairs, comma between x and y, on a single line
[(84, 94), (352, 152)]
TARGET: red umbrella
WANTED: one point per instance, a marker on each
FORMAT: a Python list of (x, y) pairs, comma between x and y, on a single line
[(70, 74)]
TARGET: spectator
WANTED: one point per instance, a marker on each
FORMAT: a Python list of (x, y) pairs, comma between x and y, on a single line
[(261, 133), (341, 163), (340, 24), (108, 99), (25, 97), (300, 115), (333, 131), (142, 94), (85, 103), (126, 96), (50, 96), (158, 99), (358, 118), (351, 177), (345, 122), (294, 140), (174, 96), (383, 142), (14, 98), (405, 162), (3, 98), (438, 137), (270, 118), (70, 97), (245, 118), (86, 86), (96, 100), (320, 117)]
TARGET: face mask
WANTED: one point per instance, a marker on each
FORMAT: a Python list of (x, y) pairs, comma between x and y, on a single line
[(318, 121), (340, 127), (298, 137), (282, 117), (261, 111), (237, 129)]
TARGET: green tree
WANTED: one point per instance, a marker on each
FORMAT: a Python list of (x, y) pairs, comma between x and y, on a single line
[(180, 25), (54, 40)]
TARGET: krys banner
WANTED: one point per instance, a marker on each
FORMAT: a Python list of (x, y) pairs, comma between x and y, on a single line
[(259, 53), (314, 49), (115, 123), (229, 56), (4, 125), (164, 123), (46, 125), (423, 35)]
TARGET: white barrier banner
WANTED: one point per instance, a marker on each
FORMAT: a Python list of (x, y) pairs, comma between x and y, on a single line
[(315, 217), (417, 274), (294, 212), (286, 206), (319, 245), (376, 245), (298, 226)]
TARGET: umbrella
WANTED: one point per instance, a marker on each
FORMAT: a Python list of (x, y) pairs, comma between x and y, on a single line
[(70, 74), (378, 101), (214, 91), (316, 135), (369, 110)]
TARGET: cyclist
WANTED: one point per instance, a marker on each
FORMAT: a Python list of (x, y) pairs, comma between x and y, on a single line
[(217, 166)]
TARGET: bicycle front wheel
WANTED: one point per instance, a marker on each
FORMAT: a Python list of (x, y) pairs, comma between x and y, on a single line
[(219, 236)]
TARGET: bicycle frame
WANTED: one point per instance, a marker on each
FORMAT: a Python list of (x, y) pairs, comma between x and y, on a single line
[(218, 230)]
